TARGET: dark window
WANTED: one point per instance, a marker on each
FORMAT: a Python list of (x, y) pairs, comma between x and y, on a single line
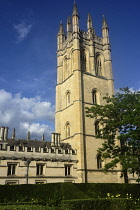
[(39, 169), (28, 149), (73, 152), (99, 161), (59, 151), (67, 130), (66, 151), (52, 150), (98, 66), (37, 149), (20, 148), (97, 131), (67, 170), (44, 149), (11, 169), (83, 60), (11, 148), (94, 96)]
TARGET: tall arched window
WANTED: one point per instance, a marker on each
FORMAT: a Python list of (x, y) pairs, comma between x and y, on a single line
[(99, 66), (67, 129), (99, 161), (94, 96), (68, 98), (97, 128), (65, 68), (83, 60)]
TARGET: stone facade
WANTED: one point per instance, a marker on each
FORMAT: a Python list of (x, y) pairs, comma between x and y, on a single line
[(36, 162)]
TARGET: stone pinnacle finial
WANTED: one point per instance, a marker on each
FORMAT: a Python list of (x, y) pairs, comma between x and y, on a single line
[(68, 20), (89, 19), (104, 23), (75, 10), (61, 30), (28, 135), (43, 138)]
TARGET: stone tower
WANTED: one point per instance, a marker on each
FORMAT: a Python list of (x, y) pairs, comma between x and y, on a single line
[(84, 76)]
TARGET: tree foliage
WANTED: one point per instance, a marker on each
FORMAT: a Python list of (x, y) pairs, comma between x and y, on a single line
[(119, 121)]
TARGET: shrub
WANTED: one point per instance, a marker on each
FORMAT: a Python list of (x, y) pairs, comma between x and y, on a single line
[(97, 203)]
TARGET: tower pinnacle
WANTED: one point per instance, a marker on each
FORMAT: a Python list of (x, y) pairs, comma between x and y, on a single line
[(104, 23), (89, 22), (61, 29), (69, 26), (75, 19), (75, 10)]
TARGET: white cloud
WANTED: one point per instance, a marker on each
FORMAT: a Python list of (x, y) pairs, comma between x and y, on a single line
[(22, 30), (26, 114)]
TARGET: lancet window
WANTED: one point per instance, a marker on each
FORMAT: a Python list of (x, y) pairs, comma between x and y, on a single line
[(68, 98), (83, 60), (67, 129), (99, 66), (97, 128), (94, 96), (99, 161)]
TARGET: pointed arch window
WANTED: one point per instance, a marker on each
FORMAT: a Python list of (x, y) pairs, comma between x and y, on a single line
[(97, 128), (99, 161), (99, 66), (67, 129), (94, 96), (83, 60), (67, 98), (65, 74)]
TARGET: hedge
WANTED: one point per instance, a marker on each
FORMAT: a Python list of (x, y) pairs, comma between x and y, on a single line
[(52, 194), (98, 203), (95, 190)]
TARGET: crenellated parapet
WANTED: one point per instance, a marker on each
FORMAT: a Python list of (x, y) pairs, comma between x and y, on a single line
[(20, 149)]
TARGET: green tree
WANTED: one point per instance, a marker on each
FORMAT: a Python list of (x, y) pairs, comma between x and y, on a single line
[(119, 121)]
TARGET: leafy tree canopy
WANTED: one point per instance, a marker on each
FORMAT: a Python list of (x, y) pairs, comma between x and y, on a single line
[(119, 126)]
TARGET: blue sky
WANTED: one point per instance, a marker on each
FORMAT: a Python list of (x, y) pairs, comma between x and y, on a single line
[(28, 30)]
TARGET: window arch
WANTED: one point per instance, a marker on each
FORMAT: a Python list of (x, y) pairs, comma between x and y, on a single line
[(67, 129), (95, 96), (99, 65), (68, 98), (99, 161), (83, 60), (97, 128), (65, 68)]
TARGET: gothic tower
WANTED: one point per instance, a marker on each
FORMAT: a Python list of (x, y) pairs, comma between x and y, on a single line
[(84, 76)]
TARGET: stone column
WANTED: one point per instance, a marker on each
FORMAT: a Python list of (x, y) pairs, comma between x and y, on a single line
[(2, 133)]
